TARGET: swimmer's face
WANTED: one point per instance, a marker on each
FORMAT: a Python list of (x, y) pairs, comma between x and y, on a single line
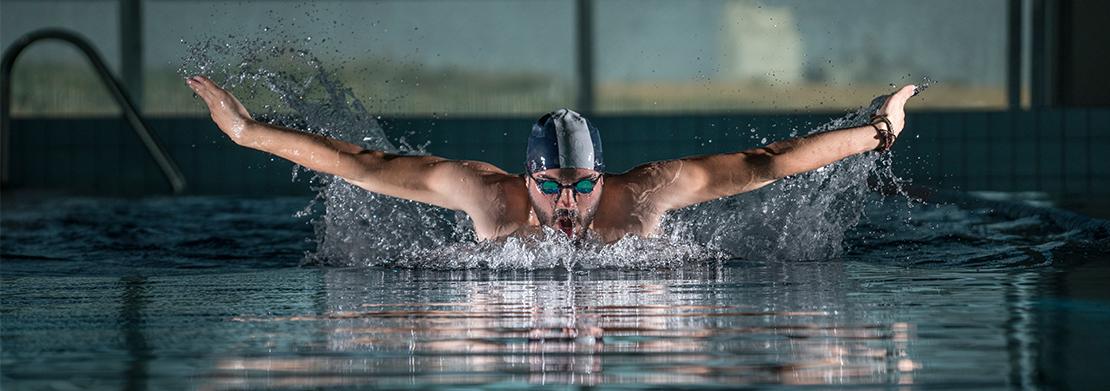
[(566, 205)]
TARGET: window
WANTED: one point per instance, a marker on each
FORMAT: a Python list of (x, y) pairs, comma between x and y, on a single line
[(796, 55)]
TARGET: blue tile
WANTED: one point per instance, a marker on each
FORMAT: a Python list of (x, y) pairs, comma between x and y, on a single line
[(1075, 125), (976, 162), (1099, 124), (1000, 155), (1077, 144), (1051, 149), (1026, 163), (927, 139), (975, 126), (953, 161), (1098, 155), (1100, 186)]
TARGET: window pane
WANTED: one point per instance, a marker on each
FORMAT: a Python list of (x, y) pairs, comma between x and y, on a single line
[(53, 78), (399, 57), (740, 55)]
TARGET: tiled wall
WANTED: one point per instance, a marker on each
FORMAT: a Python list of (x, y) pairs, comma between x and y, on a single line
[(1057, 151)]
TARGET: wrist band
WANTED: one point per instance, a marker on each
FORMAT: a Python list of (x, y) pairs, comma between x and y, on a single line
[(885, 136)]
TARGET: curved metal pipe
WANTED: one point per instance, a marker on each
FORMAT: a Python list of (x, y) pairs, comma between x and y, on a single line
[(157, 151)]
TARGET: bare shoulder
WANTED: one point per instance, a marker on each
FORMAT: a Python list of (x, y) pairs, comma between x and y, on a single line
[(655, 177), (475, 181), (465, 170), (671, 184), (641, 188), (496, 201), (630, 202), (481, 168)]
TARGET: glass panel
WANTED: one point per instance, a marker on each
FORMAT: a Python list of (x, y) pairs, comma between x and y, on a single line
[(398, 57), (53, 78), (797, 55)]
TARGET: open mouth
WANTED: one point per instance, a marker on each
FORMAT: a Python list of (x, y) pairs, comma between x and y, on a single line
[(566, 225)]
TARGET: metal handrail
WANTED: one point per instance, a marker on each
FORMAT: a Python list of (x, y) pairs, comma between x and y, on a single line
[(157, 151)]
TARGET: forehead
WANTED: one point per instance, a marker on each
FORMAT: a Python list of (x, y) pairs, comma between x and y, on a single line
[(566, 174)]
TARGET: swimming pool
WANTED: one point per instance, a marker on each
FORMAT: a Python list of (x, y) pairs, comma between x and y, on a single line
[(816, 280), (210, 293)]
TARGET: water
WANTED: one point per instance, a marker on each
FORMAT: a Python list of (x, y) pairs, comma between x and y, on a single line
[(143, 294), (286, 84), (816, 280)]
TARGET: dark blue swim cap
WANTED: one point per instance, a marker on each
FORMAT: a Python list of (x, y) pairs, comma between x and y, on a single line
[(563, 139)]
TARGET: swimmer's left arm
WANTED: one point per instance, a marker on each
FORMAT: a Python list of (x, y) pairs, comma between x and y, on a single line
[(678, 183)]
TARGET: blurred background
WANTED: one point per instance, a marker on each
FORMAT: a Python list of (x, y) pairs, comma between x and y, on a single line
[(1017, 99)]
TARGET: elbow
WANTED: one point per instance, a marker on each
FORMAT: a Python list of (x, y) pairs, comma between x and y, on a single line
[(765, 166)]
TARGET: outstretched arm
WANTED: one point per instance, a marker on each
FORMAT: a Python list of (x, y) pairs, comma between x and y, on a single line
[(678, 183), (427, 179)]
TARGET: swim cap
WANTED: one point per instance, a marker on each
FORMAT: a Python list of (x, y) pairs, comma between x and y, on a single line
[(563, 139)]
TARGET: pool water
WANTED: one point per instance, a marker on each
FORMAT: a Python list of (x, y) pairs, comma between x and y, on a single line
[(211, 293)]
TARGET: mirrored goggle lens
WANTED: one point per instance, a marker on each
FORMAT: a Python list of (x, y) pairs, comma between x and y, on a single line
[(549, 187), (584, 186)]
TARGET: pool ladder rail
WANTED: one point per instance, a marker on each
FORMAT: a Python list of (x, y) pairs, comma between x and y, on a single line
[(130, 113)]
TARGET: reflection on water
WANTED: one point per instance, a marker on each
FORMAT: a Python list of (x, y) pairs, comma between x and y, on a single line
[(588, 328), (744, 322)]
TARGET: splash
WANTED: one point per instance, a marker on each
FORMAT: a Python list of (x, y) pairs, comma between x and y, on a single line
[(801, 217), (804, 217)]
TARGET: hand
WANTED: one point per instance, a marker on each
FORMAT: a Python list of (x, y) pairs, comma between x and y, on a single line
[(894, 108), (226, 111)]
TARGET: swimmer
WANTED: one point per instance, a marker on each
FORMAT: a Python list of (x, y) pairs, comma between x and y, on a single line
[(564, 185)]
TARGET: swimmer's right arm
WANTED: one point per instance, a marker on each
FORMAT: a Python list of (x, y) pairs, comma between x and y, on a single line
[(428, 179)]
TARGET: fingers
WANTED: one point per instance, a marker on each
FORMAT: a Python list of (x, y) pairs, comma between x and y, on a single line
[(205, 88), (208, 83), (193, 84), (907, 91), (202, 83), (200, 92), (898, 99), (199, 88)]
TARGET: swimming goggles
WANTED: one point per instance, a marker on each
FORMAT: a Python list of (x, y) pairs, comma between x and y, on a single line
[(582, 186)]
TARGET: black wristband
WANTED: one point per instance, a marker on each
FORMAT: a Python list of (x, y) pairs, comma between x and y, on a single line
[(885, 136)]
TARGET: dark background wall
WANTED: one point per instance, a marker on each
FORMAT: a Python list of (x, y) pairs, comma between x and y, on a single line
[(1084, 70), (1058, 151), (1055, 145)]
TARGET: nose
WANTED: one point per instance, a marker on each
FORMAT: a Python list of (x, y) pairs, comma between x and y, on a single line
[(566, 199)]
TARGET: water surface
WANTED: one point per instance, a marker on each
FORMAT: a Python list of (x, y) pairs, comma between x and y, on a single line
[(201, 292)]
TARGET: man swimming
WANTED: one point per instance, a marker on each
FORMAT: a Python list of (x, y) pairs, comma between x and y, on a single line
[(564, 186)]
